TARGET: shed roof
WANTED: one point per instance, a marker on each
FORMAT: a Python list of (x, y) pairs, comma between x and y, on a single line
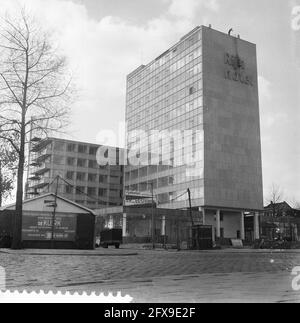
[(38, 204)]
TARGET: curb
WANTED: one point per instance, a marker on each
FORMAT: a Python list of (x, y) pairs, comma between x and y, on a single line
[(69, 254)]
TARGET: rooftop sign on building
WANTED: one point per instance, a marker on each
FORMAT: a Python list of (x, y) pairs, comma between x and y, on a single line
[(235, 70)]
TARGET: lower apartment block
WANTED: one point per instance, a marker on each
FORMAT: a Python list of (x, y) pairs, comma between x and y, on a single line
[(81, 178)]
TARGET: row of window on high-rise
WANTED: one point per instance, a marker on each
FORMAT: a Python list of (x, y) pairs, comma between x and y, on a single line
[(168, 56), (89, 163), (165, 181), (180, 123), (80, 162), (164, 83), (82, 149), (161, 99), (75, 148), (93, 192), (94, 178), (167, 113)]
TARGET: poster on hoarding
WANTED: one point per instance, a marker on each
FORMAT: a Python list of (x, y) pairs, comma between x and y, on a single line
[(39, 227)]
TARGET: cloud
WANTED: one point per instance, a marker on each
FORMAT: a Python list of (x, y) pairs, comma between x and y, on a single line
[(264, 88), (276, 119), (184, 9), (270, 115), (102, 52), (189, 8), (212, 4)]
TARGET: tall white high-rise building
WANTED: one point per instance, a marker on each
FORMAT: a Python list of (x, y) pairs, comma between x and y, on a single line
[(204, 90)]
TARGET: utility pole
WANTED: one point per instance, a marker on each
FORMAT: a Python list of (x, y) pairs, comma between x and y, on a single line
[(190, 209), (152, 218), (54, 212), (190, 206)]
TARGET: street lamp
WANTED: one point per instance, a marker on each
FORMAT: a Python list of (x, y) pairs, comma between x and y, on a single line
[(54, 213)]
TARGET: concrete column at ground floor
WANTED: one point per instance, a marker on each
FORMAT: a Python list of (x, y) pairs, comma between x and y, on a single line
[(124, 225), (163, 226), (218, 224), (242, 224), (213, 234), (256, 226), (296, 232)]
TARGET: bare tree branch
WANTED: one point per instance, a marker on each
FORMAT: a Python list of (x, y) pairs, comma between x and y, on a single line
[(11, 142), (10, 89)]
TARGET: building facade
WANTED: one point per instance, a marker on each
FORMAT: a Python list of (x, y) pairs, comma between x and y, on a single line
[(171, 226), (279, 221), (82, 179), (280, 210), (204, 93)]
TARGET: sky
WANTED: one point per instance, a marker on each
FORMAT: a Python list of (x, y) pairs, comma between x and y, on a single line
[(104, 40)]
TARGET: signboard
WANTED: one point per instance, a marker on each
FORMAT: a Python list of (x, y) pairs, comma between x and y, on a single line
[(237, 243), (39, 227), (139, 199), (236, 70)]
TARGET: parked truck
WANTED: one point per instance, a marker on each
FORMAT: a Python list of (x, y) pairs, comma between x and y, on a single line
[(111, 237)]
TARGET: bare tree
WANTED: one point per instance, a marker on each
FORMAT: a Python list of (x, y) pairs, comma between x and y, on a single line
[(34, 92), (276, 194)]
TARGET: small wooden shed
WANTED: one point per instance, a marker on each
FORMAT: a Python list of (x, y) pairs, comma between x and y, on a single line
[(51, 221)]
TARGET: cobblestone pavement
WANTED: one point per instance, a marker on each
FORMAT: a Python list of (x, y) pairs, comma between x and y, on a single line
[(158, 276)]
